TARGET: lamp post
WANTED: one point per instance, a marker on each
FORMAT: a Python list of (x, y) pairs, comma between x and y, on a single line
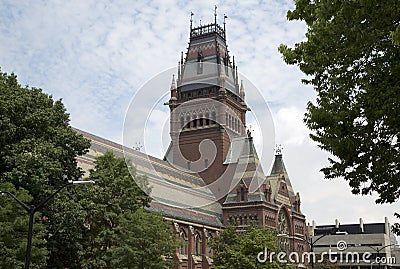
[(378, 250), (311, 243), (191, 257), (31, 209)]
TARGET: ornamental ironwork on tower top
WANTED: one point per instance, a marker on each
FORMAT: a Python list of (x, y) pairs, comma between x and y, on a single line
[(203, 30)]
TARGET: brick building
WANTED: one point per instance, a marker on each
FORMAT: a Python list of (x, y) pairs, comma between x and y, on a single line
[(211, 175)]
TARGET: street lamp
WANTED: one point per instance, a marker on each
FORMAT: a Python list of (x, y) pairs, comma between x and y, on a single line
[(378, 250), (191, 257), (31, 209), (311, 243)]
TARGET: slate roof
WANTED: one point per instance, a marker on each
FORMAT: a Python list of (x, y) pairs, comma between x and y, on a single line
[(175, 194), (277, 172), (248, 169)]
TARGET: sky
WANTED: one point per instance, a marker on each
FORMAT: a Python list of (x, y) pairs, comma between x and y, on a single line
[(96, 55)]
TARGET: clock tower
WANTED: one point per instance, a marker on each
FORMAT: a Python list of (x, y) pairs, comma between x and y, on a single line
[(207, 107)]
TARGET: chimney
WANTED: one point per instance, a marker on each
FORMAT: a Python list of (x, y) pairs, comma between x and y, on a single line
[(361, 225), (387, 226)]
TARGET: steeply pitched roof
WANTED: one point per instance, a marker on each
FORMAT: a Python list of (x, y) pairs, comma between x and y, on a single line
[(175, 193), (278, 173), (248, 169)]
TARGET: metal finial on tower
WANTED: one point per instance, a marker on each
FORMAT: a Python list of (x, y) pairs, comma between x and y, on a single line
[(278, 149), (249, 130), (191, 19), (237, 75), (215, 14), (179, 71), (138, 146), (225, 17)]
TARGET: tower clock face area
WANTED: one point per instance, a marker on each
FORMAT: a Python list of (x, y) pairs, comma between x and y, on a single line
[(202, 128)]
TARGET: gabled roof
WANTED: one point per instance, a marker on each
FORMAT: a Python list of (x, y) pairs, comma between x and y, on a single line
[(279, 173), (248, 169)]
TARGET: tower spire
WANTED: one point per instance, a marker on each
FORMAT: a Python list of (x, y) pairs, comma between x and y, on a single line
[(215, 14), (173, 88), (222, 76), (225, 17), (191, 20), (179, 71), (236, 75), (241, 92)]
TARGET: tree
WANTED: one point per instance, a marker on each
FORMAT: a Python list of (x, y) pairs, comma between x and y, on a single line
[(147, 241), (239, 249), (38, 148), (37, 145), (351, 59), (118, 232)]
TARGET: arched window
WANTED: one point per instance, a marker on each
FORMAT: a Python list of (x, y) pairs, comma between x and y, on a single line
[(182, 241), (283, 223), (194, 121), (207, 119), (209, 249), (201, 120), (188, 122), (197, 244), (242, 196)]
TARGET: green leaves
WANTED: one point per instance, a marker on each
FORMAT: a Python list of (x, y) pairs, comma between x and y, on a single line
[(37, 155), (37, 145), (354, 67), (239, 249), (118, 232), (83, 226)]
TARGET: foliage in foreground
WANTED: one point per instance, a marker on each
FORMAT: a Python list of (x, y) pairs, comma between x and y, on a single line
[(83, 226), (239, 249), (351, 57), (119, 232), (37, 155)]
